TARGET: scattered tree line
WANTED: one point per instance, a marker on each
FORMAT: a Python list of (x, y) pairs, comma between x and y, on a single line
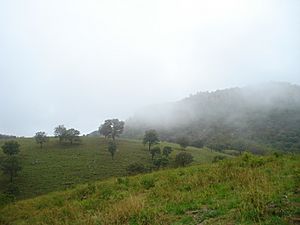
[(160, 158)]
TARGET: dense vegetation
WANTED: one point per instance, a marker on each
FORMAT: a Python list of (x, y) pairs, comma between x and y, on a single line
[(58, 166), (246, 190), (254, 118)]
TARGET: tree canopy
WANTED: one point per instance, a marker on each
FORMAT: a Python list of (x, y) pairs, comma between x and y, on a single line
[(60, 132), (112, 128), (183, 158), (41, 138), (150, 138), (11, 148)]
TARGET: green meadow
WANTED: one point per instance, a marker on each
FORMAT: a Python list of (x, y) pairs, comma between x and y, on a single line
[(61, 166), (244, 190)]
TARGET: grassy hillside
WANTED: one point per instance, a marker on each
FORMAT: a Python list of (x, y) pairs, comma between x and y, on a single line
[(57, 167), (244, 190)]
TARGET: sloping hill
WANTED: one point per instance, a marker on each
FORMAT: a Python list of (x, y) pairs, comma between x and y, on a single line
[(245, 190), (267, 115), (57, 167)]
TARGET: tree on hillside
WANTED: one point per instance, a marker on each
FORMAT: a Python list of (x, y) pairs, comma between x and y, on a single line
[(11, 166), (11, 148), (72, 135), (150, 138), (112, 148), (183, 158), (154, 151), (41, 138), (60, 132), (112, 128), (183, 142), (167, 151)]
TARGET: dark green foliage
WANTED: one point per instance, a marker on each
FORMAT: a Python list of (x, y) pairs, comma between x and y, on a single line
[(11, 148), (112, 148), (64, 134), (5, 199), (183, 159), (183, 141), (150, 138), (160, 161), (112, 128), (12, 189), (60, 132), (72, 135), (167, 150), (11, 166), (41, 138), (136, 168), (154, 151)]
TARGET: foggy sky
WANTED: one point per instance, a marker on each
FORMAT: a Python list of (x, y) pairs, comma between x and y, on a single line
[(80, 62)]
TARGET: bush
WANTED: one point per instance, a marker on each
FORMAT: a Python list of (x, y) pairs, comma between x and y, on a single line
[(160, 161), (183, 158), (167, 151), (136, 168)]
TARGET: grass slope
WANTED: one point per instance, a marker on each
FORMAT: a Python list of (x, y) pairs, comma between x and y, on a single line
[(57, 167), (244, 190)]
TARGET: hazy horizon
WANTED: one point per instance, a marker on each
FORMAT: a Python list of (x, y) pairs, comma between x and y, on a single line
[(78, 63)]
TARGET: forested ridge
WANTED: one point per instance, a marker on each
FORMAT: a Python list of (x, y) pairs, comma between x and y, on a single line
[(253, 118)]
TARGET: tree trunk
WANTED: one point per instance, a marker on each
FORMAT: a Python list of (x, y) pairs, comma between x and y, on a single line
[(149, 146), (41, 144)]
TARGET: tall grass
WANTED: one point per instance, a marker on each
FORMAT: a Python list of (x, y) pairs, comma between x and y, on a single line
[(245, 190)]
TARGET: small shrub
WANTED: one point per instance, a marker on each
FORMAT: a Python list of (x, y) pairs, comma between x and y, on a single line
[(160, 161), (136, 168)]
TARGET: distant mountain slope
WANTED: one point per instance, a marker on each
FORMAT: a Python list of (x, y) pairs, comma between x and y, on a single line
[(266, 115)]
